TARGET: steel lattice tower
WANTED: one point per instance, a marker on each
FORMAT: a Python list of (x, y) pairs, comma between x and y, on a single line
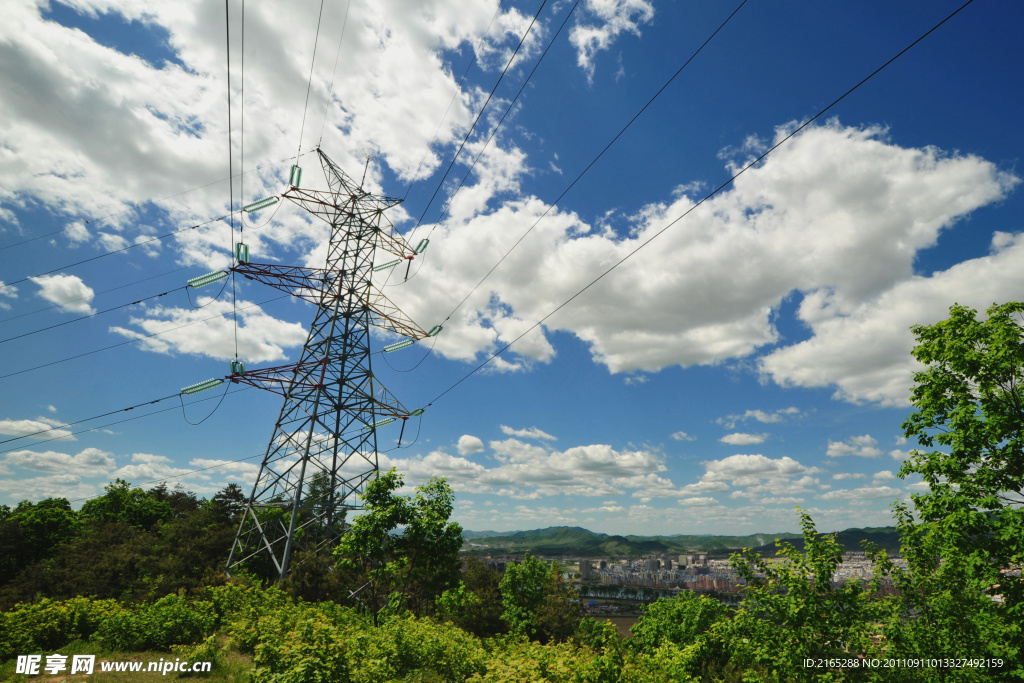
[(323, 449)]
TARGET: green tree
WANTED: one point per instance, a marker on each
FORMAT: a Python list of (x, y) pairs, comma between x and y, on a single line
[(679, 620), (121, 503), (969, 415), (33, 532), (537, 601), (402, 551), (792, 611)]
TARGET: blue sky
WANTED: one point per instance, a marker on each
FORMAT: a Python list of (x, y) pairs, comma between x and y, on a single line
[(754, 357)]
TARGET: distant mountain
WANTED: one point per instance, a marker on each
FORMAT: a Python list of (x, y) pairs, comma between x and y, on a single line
[(578, 541), (885, 537)]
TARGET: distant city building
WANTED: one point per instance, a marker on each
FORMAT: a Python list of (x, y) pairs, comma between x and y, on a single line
[(666, 562), (604, 564), (652, 564), (584, 569)]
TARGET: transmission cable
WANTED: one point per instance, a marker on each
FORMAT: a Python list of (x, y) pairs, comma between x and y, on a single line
[(309, 85), (330, 90), (91, 315), (147, 203), (480, 113), (490, 137), (94, 294), (458, 89), (706, 197), (116, 251), (596, 158), (139, 338)]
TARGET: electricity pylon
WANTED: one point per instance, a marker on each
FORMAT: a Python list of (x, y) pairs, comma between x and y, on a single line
[(323, 449)]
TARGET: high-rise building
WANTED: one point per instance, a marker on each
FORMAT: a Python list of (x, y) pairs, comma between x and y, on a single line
[(584, 569), (666, 562), (652, 564)]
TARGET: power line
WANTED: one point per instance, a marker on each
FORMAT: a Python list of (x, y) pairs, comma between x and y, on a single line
[(231, 174), (458, 89), (92, 315), (494, 131), (309, 85), (600, 154), (116, 251), (330, 90), (480, 113), (151, 201), (706, 197), (94, 294), (131, 341)]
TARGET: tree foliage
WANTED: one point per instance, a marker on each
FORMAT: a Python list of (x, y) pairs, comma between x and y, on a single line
[(402, 551), (969, 411)]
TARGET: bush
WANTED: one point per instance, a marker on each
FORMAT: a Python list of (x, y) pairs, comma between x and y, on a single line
[(49, 624), (169, 621)]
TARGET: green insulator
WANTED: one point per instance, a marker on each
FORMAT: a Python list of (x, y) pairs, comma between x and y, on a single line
[(261, 204), (296, 176), (242, 252), (398, 346), (389, 264), (201, 386), (208, 279), (379, 423), (434, 331), (237, 367), (422, 246), (417, 412)]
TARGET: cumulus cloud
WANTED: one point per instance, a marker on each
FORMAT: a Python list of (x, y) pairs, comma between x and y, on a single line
[(775, 416), (261, 337), (26, 427), (470, 444), (67, 291), (605, 21), (531, 433), (742, 439), (863, 446), (7, 292), (90, 462), (683, 436), (529, 471), (848, 475), (862, 493), (863, 348), (837, 214)]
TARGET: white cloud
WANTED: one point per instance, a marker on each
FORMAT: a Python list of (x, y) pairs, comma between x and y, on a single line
[(67, 291), (863, 348), (91, 462), (470, 444), (531, 433), (862, 493), (607, 19), (697, 502), (683, 436), (8, 292), (780, 415), (531, 471), (848, 475), (743, 466), (741, 439), (884, 475), (25, 427), (838, 214), (54, 486), (261, 337), (899, 455), (862, 446)]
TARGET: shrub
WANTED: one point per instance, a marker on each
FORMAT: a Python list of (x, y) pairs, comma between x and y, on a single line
[(169, 621), (51, 624)]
